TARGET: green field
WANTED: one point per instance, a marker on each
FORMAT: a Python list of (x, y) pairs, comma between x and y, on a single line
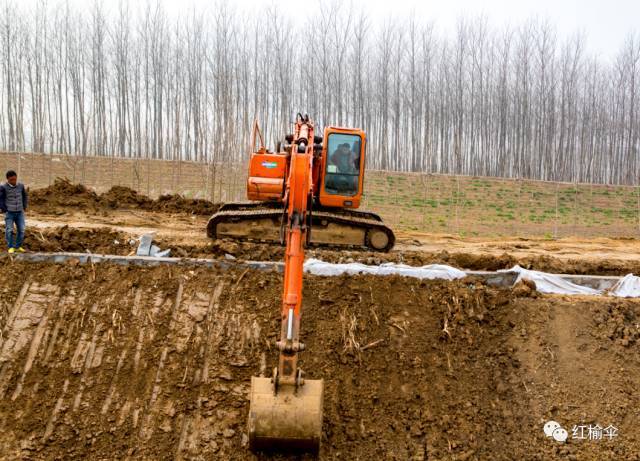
[(471, 206)]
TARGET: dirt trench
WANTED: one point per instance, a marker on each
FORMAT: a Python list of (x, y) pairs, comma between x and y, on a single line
[(110, 240), (110, 362)]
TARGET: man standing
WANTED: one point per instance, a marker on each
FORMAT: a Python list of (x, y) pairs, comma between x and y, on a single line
[(13, 203)]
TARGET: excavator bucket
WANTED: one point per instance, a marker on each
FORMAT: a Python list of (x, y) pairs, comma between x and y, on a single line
[(290, 420)]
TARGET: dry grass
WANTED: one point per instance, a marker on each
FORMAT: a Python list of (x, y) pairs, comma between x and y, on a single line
[(349, 326)]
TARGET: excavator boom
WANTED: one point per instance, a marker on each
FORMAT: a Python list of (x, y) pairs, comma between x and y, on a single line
[(285, 410)]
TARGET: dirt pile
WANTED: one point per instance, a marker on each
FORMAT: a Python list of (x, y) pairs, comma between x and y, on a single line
[(63, 197), (108, 362), (63, 194), (69, 239), (177, 204), (101, 240), (245, 251), (120, 196)]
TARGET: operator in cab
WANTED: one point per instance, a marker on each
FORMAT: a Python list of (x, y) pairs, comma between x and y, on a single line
[(344, 158), (346, 164)]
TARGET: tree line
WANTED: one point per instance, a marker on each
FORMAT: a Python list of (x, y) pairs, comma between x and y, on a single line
[(133, 81)]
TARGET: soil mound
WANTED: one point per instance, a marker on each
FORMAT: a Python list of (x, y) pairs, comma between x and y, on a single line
[(120, 196), (63, 196), (69, 239), (178, 204)]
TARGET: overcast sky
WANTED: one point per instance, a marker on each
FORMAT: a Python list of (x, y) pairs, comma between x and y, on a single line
[(605, 22)]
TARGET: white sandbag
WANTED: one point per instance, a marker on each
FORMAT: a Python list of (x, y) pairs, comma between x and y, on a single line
[(432, 271), (551, 283)]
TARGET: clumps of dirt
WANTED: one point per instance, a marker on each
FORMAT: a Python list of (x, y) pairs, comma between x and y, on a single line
[(525, 289), (619, 322), (543, 263), (224, 248), (69, 239), (178, 204), (63, 196), (612, 267), (121, 196)]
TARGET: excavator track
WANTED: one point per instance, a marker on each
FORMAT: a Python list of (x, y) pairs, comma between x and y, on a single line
[(246, 206), (257, 222)]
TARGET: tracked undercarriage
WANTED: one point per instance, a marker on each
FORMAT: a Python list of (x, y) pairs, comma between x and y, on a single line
[(260, 221)]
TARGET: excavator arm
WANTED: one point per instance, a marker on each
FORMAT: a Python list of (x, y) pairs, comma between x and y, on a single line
[(298, 192), (285, 410)]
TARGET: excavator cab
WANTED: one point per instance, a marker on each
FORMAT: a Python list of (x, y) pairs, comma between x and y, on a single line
[(342, 168)]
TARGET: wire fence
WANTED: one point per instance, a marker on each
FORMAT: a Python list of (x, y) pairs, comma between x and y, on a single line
[(410, 202)]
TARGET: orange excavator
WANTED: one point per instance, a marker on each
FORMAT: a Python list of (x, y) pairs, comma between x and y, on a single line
[(306, 189), (336, 179)]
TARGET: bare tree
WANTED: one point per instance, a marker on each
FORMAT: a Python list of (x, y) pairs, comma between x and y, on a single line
[(134, 82)]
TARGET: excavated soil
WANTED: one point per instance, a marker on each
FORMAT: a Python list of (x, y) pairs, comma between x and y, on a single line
[(63, 196), (69, 239), (106, 362)]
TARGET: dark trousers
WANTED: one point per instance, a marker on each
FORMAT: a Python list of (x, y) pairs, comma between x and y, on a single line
[(11, 218)]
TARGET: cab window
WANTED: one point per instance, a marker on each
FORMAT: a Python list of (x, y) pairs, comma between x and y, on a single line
[(342, 174)]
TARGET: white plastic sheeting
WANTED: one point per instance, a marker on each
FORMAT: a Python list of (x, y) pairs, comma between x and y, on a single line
[(551, 283), (627, 287), (432, 271)]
